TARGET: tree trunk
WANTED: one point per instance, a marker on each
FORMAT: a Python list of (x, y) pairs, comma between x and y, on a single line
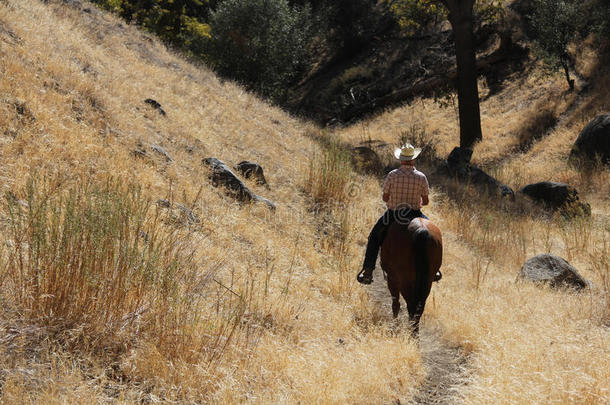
[(566, 70), (461, 19)]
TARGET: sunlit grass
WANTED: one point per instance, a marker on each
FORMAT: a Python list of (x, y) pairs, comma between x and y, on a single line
[(246, 305)]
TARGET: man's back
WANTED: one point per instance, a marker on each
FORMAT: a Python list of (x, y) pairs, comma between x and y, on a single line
[(405, 186)]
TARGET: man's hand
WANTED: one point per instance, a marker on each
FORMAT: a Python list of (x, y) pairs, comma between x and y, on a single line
[(424, 200), (386, 197)]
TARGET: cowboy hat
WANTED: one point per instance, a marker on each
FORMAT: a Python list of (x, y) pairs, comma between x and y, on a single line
[(407, 152)]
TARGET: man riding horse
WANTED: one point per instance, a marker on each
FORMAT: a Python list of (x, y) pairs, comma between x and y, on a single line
[(405, 191)]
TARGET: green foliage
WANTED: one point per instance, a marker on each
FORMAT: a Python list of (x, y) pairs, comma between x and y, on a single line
[(488, 11), (415, 16), (179, 22), (556, 23), (601, 19), (261, 43)]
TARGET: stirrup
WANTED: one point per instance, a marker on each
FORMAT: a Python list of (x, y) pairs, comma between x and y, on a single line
[(365, 276)]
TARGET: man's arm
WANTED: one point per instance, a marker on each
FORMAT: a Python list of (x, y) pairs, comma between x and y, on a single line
[(424, 195)]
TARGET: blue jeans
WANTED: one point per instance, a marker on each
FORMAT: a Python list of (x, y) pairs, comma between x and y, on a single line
[(380, 230)]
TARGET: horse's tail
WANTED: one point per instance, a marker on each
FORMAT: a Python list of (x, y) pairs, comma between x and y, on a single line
[(422, 263)]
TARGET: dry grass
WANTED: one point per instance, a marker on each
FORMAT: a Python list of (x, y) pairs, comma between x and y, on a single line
[(275, 314), (527, 344), (279, 321)]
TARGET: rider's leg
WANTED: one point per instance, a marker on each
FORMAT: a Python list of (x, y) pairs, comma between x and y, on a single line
[(372, 248)]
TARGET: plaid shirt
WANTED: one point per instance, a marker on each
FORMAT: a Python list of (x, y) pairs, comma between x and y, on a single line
[(406, 186)]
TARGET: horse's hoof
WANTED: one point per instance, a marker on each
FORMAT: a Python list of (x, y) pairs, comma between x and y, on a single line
[(365, 277)]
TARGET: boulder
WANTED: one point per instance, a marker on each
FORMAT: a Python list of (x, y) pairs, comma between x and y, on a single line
[(593, 141), (554, 270), (187, 214), (458, 162), (251, 170), (557, 196), (458, 166), (156, 105), (222, 176), (366, 160), (161, 151)]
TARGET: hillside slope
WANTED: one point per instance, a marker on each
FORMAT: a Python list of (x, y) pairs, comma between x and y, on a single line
[(273, 311), (72, 90)]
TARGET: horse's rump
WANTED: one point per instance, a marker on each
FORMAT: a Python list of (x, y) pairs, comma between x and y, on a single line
[(410, 255)]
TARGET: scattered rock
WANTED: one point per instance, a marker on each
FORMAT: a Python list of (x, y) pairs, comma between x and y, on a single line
[(366, 160), (181, 213), (164, 203), (251, 169), (160, 150), (221, 175), (9, 36), (139, 151), (554, 270), (188, 214), (557, 196), (155, 104), (593, 141), (458, 162), (458, 167), (24, 114)]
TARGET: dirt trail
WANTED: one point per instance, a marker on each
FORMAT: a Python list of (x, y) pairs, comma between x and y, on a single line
[(446, 366)]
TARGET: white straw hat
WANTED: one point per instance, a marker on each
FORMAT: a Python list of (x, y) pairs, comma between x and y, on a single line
[(407, 152)]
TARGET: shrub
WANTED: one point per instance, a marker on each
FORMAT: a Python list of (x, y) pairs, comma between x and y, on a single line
[(556, 23), (260, 43), (329, 177)]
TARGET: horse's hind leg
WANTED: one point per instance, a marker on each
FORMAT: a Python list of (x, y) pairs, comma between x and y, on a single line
[(395, 293), (413, 308)]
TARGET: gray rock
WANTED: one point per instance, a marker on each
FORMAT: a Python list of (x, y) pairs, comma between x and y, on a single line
[(458, 162), (554, 270), (156, 105), (251, 170), (593, 141), (164, 203), (180, 213), (557, 196), (222, 176), (458, 166), (188, 214), (161, 151), (139, 151)]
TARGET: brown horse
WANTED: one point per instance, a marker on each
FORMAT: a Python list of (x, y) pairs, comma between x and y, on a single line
[(410, 256)]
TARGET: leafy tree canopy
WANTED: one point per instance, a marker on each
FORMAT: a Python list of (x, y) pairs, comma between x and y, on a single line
[(260, 43)]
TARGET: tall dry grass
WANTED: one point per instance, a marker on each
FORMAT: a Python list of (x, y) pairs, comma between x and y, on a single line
[(260, 307), (525, 344), (94, 261)]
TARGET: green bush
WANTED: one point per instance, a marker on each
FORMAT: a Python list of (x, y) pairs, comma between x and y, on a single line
[(179, 22), (262, 44), (556, 23)]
